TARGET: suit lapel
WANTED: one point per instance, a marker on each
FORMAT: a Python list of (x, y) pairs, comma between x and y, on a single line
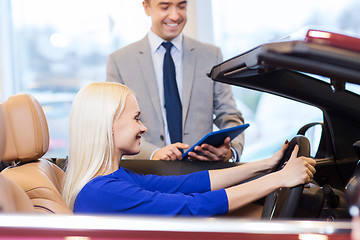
[(189, 62), (148, 73)]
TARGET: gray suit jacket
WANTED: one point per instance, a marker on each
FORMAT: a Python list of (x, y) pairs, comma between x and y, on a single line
[(202, 98)]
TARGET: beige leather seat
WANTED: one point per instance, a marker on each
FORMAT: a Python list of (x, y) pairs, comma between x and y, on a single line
[(2, 134), (27, 140), (13, 199)]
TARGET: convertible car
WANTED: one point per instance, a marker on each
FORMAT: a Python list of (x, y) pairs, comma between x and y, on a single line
[(316, 70)]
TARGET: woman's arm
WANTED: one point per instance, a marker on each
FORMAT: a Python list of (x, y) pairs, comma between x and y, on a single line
[(111, 194), (197, 182), (223, 178), (298, 170)]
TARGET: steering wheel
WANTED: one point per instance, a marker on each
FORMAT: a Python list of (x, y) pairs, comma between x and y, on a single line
[(283, 202)]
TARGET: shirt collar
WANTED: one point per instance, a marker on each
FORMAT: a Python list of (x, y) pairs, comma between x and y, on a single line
[(155, 41)]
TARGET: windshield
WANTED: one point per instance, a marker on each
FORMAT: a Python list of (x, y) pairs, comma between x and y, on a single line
[(354, 88)]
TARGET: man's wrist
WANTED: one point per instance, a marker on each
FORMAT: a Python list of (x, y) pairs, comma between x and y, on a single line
[(152, 155), (234, 157)]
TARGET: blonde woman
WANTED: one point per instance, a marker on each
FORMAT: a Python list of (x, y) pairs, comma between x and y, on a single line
[(105, 125)]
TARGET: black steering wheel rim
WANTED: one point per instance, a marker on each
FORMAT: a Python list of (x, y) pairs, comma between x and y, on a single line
[(282, 203)]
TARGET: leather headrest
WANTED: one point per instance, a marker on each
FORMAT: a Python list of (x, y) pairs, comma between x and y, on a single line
[(2, 134), (27, 134)]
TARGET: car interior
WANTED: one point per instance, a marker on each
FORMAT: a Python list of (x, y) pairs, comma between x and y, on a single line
[(37, 182), (27, 139), (13, 198), (296, 70)]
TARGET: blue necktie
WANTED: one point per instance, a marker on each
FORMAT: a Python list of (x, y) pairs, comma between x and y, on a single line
[(171, 96)]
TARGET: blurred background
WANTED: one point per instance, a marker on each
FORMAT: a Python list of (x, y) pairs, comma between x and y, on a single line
[(51, 48)]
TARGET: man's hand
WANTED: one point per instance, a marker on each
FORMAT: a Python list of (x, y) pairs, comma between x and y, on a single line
[(170, 152), (206, 152)]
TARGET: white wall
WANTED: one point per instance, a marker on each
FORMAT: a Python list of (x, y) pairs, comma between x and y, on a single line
[(199, 26), (5, 52), (200, 23)]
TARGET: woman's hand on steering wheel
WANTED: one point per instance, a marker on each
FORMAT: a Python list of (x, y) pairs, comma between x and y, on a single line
[(276, 158), (298, 170)]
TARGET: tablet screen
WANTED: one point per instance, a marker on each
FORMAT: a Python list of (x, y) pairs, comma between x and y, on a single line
[(217, 138)]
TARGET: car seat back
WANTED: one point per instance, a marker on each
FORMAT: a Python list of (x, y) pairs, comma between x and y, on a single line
[(27, 140), (13, 199)]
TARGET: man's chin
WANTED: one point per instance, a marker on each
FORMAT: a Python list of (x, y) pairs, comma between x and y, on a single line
[(170, 35)]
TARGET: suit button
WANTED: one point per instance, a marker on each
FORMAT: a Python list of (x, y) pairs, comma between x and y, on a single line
[(161, 137)]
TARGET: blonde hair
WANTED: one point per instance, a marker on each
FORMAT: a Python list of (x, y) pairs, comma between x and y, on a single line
[(91, 146)]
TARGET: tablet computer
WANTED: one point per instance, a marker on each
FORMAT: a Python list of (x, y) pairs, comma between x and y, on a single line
[(217, 138)]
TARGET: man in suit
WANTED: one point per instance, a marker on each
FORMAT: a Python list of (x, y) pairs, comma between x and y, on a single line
[(140, 67)]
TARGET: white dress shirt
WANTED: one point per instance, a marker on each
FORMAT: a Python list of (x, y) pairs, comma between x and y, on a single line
[(157, 53)]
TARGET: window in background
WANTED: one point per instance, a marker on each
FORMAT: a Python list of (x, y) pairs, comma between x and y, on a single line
[(242, 25), (59, 46)]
